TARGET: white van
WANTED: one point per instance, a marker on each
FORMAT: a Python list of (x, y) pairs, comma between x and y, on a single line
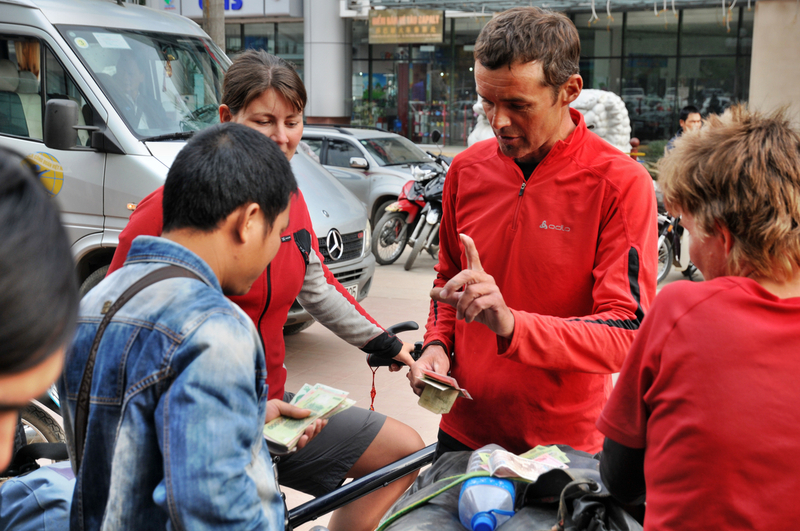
[(137, 82)]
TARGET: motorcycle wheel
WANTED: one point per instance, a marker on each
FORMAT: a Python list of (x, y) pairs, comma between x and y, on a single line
[(390, 237), (664, 260), (41, 427), (418, 245)]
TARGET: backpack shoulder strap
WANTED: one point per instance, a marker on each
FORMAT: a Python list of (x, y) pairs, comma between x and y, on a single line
[(84, 392)]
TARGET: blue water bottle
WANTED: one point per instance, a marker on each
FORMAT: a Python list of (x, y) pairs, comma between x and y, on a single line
[(485, 503)]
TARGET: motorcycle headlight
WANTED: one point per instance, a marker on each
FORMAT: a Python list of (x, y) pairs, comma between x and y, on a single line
[(367, 240)]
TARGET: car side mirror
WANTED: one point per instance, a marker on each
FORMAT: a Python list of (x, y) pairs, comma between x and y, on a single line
[(359, 162), (60, 119)]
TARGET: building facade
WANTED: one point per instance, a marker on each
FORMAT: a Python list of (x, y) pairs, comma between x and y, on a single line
[(657, 60)]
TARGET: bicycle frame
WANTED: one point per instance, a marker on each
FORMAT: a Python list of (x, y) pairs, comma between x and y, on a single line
[(345, 494)]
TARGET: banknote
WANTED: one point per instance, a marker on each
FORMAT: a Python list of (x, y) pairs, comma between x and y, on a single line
[(553, 451), (283, 433), (504, 464)]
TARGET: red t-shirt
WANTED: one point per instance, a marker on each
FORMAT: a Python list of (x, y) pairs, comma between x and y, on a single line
[(711, 389)]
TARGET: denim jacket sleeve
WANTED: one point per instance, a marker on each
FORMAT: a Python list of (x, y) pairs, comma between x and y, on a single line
[(217, 471)]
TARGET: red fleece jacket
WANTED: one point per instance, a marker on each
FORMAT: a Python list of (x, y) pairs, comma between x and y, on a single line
[(573, 251), (272, 295)]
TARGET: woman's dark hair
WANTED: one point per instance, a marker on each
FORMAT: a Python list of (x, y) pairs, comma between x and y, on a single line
[(38, 287), (253, 73), (220, 169)]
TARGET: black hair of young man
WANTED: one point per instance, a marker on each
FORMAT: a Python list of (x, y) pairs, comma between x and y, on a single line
[(38, 285), (220, 169), (686, 111)]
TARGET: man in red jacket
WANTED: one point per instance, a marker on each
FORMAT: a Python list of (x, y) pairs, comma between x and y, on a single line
[(565, 225)]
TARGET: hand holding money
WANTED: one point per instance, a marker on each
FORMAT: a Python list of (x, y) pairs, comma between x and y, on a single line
[(481, 299), (310, 406), (277, 408)]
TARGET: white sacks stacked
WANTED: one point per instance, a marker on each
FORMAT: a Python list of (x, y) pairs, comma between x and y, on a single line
[(482, 129), (606, 115), (604, 112)]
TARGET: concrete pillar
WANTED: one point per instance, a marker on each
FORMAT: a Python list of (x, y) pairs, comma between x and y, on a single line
[(774, 68), (328, 63)]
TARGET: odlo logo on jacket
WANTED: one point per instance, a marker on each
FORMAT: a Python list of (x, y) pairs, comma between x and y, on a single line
[(562, 228)]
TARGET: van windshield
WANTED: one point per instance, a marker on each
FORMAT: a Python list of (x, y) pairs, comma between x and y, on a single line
[(160, 83)]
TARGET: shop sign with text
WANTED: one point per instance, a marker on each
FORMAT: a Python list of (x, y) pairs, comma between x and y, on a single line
[(398, 26)]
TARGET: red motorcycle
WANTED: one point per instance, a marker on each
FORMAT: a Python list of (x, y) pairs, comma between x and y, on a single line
[(390, 236)]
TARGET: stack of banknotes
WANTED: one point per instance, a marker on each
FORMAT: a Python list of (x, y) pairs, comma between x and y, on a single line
[(283, 433), (530, 465)]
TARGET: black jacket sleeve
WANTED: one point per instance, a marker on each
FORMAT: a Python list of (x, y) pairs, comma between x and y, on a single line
[(622, 471)]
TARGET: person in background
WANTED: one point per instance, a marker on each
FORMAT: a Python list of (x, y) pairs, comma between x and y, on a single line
[(702, 419), (264, 93), (565, 225), (690, 120), (38, 294)]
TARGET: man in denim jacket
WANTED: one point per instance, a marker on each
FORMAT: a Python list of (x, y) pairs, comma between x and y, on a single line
[(178, 398)]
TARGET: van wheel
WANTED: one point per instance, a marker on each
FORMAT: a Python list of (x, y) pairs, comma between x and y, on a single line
[(93, 280), (292, 329)]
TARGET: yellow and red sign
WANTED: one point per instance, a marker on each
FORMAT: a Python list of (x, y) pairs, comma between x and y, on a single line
[(404, 26)]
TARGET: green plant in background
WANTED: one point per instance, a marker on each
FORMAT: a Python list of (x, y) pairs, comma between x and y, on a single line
[(653, 151)]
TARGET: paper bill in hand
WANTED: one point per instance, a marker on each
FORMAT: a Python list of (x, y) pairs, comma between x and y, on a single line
[(440, 392), (283, 433)]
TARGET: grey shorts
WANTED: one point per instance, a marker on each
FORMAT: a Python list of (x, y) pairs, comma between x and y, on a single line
[(322, 464)]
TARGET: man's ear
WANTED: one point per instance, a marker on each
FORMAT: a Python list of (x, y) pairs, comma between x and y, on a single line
[(571, 89), (249, 222), (225, 114)]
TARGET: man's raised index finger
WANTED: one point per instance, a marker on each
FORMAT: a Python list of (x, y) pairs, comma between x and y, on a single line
[(473, 260)]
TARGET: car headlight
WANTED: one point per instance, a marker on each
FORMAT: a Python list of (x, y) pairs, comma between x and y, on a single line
[(367, 240)]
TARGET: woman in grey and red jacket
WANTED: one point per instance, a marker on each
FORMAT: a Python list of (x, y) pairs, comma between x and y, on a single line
[(264, 92)]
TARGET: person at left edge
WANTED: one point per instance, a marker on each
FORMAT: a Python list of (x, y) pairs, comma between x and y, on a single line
[(38, 295)]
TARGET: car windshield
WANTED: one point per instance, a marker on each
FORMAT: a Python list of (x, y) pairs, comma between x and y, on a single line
[(394, 150), (162, 84)]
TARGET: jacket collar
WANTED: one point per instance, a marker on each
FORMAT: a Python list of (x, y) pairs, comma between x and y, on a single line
[(562, 147), (154, 250)]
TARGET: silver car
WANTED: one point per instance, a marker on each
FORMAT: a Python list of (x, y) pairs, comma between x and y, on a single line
[(343, 233), (371, 163)]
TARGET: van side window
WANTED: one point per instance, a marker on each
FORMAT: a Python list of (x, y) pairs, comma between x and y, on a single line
[(20, 87), (59, 85)]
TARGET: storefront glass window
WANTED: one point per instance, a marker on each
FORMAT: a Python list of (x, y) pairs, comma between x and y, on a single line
[(602, 74), (603, 38), (233, 39), (711, 82), (289, 43), (429, 91), (260, 36), (656, 64), (647, 34), (705, 32)]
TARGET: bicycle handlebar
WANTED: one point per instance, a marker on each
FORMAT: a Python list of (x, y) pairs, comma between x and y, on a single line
[(373, 360)]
